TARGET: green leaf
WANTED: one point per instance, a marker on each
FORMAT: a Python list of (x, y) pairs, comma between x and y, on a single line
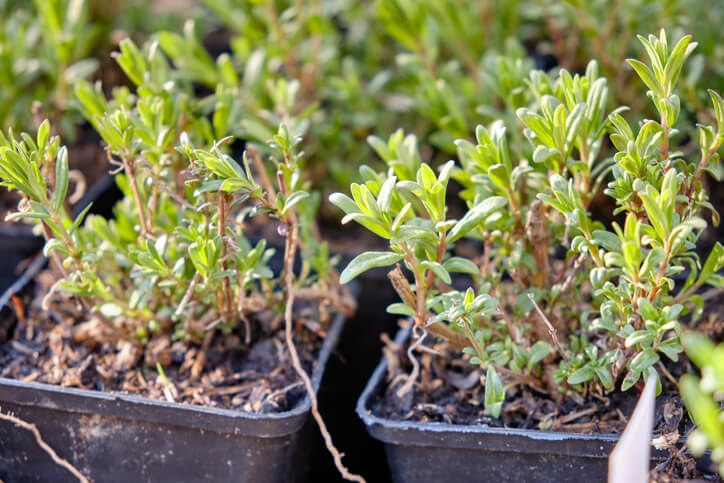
[(644, 360), (630, 379), (609, 241), (385, 196), (79, 219), (645, 337), (538, 352), (646, 75), (367, 261), (295, 198), (53, 245), (584, 374), (438, 270), (604, 375), (80, 70), (61, 178), (475, 216), (461, 265), (110, 309), (494, 392), (400, 309), (43, 136), (713, 263), (679, 54), (704, 409), (718, 103), (698, 347)]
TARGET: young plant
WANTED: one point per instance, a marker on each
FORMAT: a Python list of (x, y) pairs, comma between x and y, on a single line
[(599, 318)]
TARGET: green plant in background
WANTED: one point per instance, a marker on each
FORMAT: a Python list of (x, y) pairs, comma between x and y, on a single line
[(460, 64), (291, 62), (702, 397), (580, 30), (46, 46), (605, 313), (45, 50), (328, 71)]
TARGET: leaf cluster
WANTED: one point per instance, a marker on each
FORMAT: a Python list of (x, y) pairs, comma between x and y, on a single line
[(175, 260)]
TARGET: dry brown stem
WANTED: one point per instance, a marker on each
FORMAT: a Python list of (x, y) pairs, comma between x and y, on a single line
[(227, 307), (537, 231), (514, 332), (201, 357), (261, 171), (551, 330)]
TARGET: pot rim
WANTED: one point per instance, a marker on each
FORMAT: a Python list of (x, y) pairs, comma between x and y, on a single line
[(476, 437), (128, 406)]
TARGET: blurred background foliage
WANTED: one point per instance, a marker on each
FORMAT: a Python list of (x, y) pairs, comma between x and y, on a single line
[(337, 71)]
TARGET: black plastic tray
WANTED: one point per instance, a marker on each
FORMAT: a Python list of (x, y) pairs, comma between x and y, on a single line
[(115, 437), (438, 452)]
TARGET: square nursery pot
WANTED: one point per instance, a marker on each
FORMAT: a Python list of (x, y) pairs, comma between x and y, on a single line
[(116, 437), (439, 452)]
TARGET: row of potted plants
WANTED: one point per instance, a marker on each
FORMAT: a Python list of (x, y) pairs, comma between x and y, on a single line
[(525, 309)]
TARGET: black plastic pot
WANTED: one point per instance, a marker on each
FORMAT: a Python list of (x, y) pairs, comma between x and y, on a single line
[(114, 437), (438, 452)]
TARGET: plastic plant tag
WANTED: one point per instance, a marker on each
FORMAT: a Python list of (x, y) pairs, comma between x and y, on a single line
[(629, 460)]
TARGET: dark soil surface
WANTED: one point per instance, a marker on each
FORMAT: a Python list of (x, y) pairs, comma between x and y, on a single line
[(68, 347), (449, 390)]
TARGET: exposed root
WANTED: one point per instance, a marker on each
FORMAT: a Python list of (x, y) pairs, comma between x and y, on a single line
[(289, 252), (39, 439), (415, 364)]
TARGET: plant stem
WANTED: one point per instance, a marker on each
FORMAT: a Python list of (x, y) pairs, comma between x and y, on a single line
[(403, 289), (187, 296), (536, 227), (514, 332), (471, 337), (659, 275), (131, 172), (229, 305), (265, 181), (702, 164), (551, 329), (665, 140)]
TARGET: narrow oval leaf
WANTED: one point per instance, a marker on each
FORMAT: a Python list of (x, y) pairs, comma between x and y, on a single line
[(61, 178), (367, 261), (473, 217)]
